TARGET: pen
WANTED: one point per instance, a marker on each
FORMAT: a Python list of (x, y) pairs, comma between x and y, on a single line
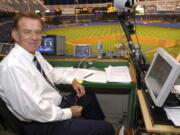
[(88, 75), (174, 107)]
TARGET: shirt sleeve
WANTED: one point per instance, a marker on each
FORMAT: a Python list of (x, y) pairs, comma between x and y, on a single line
[(25, 99)]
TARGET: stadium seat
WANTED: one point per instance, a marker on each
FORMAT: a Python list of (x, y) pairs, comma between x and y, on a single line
[(9, 121)]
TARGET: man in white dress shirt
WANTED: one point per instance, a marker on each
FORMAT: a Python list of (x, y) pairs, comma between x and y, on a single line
[(33, 100)]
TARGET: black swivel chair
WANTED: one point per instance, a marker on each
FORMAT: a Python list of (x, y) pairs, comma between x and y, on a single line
[(9, 121)]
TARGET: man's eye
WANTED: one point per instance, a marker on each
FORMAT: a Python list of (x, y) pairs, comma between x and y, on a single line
[(38, 32), (27, 32)]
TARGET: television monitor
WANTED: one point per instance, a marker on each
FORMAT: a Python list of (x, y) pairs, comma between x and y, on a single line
[(6, 48), (123, 5), (161, 76), (52, 45), (82, 50), (48, 45)]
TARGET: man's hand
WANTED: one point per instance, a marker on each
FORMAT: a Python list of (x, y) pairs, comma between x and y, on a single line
[(80, 90), (178, 58), (76, 111)]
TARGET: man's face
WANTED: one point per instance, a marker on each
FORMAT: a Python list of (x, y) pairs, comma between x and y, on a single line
[(28, 35)]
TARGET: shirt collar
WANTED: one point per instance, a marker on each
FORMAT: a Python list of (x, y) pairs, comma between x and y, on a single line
[(24, 52)]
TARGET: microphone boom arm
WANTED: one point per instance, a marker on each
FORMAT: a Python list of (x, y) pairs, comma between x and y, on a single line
[(136, 55)]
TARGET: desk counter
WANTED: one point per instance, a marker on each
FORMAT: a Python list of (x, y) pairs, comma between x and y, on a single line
[(107, 88), (150, 127)]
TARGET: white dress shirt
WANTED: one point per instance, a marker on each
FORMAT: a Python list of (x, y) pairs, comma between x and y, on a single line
[(26, 92)]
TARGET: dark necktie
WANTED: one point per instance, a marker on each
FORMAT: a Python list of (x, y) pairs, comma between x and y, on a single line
[(43, 73), (35, 60)]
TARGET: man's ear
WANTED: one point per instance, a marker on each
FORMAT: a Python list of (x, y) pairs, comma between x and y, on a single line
[(14, 35)]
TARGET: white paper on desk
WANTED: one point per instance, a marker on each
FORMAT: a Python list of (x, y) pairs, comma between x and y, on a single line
[(98, 76), (81, 73), (118, 74), (173, 114), (77, 73)]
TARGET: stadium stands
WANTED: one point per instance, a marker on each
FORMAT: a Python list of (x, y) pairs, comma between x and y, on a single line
[(99, 13), (5, 35), (159, 18), (159, 6), (21, 5)]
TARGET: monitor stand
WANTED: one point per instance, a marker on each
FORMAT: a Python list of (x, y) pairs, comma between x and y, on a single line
[(158, 114)]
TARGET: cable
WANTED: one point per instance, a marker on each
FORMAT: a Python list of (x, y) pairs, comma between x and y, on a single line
[(82, 61)]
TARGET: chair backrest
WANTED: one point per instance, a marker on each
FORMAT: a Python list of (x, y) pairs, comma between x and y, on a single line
[(9, 121)]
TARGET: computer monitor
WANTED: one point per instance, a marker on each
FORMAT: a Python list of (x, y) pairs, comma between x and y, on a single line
[(6, 48), (52, 45), (161, 76), (48, 45), (123, 5), (82, 50)]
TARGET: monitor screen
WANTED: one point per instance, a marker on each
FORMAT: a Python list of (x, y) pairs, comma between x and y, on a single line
[(48, 45), (82, 50), (6, 48), (161, 76)]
